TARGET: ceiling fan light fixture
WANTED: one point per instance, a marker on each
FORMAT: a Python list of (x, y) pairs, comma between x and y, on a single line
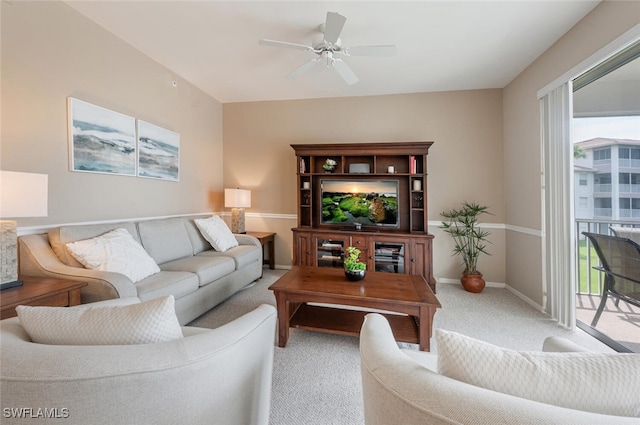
[(328, 45)]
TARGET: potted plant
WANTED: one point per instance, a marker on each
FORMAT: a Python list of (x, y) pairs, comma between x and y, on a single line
[(329, 165), (469, 240), (354, 269)]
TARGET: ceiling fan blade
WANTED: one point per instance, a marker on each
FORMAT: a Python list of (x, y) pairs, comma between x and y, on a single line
[(302, 69), (265, 42), (345, 72), (333, 26), (384, 50)]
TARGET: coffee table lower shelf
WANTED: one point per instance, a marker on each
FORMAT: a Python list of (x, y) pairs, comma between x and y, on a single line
[(349, 322)]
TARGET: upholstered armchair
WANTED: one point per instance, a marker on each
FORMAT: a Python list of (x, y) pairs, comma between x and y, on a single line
[(209, 376)]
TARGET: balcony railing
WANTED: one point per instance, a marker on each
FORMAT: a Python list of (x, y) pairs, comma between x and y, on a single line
[(588, 280), (628, 163), (603, 212), (602, 188)]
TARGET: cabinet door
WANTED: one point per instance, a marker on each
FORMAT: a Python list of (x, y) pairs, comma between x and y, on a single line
[(362, 243), (389, 255), (303, 251), (330, 249), (420, 261)]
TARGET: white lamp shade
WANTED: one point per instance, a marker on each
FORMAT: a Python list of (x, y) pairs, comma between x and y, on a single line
[(23, 194), (237, 198)]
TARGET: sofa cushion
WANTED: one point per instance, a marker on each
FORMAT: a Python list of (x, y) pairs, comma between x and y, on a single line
[(59, 237), (243, 255), (165, 240), (114, 251), (207, 269), (592, 382), (164, 283), (216, 231), (142, 323)]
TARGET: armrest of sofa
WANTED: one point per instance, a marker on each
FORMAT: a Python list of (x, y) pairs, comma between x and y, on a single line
[(561, 345), (220, 375), (38, 259), (247, 240)]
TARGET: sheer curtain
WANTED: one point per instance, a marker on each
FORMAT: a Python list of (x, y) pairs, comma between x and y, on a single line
[(556, 114)]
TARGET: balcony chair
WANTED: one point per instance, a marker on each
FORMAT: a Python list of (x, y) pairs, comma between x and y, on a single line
[(620, 262)]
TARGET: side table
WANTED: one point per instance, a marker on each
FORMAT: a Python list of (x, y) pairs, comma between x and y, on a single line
[(266, 238), (40, 291)]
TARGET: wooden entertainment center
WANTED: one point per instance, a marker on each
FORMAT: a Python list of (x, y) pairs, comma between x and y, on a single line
[(400, 243)]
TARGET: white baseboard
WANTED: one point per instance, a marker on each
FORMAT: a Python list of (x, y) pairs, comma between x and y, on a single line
[(498, 285)]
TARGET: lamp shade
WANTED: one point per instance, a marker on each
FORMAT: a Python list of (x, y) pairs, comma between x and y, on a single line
[(23, 194), (237, 198)]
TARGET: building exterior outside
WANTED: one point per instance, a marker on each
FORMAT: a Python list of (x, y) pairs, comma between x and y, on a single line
[(607, 180)]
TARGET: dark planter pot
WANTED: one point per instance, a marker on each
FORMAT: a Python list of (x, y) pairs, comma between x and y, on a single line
[(355, 275), (472, 282)]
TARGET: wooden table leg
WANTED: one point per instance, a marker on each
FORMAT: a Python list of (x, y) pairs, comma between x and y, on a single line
[(272, 254), (283, 318), (74, 297), (425, 327)]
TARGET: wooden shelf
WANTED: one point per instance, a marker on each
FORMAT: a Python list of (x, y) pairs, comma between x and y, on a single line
[(349, 322)]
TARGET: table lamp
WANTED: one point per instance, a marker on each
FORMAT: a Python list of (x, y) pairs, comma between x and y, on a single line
[(21, 195), (237, 200)]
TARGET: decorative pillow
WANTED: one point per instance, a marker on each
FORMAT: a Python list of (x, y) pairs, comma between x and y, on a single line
[(143, 323), (593, 382), (115, 251), (216, 232)]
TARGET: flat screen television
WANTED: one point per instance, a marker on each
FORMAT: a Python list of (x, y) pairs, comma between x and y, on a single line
[(368, 202)]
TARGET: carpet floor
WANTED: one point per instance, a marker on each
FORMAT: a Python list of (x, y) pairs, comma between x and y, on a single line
[(316, 378)]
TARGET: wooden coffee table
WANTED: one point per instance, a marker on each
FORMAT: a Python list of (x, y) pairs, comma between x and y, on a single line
[(398, 293)]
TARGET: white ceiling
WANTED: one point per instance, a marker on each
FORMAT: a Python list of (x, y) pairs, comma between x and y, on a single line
[(442, 45)]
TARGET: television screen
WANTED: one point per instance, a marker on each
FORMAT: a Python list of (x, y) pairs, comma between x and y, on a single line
[(368, 202)]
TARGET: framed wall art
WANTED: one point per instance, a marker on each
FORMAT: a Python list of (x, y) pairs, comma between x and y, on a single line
[(158, 152), (101, 140)]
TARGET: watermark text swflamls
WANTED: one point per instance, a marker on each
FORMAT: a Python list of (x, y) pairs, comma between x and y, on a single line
[(35, 412)]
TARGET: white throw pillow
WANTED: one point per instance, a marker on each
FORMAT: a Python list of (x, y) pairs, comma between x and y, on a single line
[(216, 232), (115, 251), (143, 323), (592, 382)]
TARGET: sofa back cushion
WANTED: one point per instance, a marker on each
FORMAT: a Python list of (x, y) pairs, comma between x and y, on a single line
[(197, 240), (165, 240), (59, 237), (592, 382)]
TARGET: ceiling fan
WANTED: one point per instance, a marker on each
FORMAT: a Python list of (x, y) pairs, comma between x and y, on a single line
[(329, 46)]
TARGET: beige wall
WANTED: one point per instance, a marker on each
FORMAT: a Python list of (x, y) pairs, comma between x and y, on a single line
[(465, 162), (50, 52), (522, 148)]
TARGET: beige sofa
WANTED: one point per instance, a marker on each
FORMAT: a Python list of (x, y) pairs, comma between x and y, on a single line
[(198, 277), (211, 376), (403, 387)]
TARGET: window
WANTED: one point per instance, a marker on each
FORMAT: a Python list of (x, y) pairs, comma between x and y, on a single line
[(583, 202), (628, 153), (602, 202), (602, 154), (625, 178), (625, 203), (603, 178), (583, 179)]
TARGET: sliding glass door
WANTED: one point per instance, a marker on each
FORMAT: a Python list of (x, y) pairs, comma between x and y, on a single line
[(606, 187)]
